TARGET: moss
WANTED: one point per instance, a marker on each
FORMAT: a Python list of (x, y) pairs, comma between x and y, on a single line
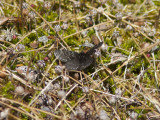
[(24, 117), (30, 38), (51, 17), (156, 2), (6, 90), (146, 16)]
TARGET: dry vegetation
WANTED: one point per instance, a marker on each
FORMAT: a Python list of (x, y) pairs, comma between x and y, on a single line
[(123, 82)]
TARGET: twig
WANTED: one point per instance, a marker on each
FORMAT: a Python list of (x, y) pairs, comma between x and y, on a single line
[(42, 91), (127, 99), (65, 96), (156, 78), (127, 64)]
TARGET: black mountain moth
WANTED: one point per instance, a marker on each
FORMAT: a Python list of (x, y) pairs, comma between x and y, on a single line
[(76, 61)]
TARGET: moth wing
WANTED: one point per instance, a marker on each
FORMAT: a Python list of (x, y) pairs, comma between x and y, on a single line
[(65, 55), (72, 64), (85, 62)]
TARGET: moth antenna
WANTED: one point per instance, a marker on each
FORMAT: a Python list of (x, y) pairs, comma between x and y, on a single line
[(92, 50)]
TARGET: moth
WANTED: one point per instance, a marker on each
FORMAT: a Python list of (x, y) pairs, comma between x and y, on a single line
[(76, 61)]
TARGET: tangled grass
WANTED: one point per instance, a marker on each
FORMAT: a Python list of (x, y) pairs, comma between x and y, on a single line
[(122, 82)]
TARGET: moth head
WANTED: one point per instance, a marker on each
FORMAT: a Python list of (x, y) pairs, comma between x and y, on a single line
[(85, 50)]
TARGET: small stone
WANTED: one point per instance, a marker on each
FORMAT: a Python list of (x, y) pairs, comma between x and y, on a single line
[(129, 28), (66, 79), (104, 47), (76, 76), (61, 94), (31, 76), (4, 113), (103, 115), (19, 90)]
